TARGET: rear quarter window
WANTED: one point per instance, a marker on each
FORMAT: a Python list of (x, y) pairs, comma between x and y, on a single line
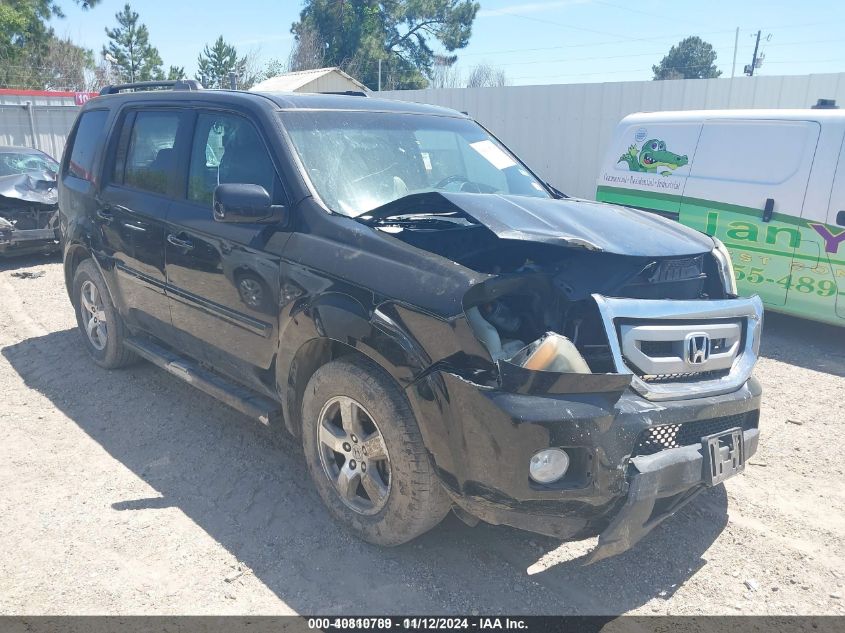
[(151, 156), (88, 134)]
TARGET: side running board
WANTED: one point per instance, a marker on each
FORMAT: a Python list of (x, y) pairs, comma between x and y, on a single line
[(238, 397)]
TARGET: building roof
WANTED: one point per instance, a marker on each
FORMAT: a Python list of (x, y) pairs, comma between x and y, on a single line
[(290, 82)]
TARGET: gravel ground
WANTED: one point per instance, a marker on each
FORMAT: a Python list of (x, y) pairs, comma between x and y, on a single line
[(128, 492)]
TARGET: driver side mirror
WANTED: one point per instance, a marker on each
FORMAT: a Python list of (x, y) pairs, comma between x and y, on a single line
[(245, 203)]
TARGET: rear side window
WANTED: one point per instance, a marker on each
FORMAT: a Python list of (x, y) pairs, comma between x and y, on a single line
[(150, 159), (88, 132)]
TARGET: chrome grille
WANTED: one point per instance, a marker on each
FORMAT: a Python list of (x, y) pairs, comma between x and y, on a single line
[(663, 349), (681, 349)]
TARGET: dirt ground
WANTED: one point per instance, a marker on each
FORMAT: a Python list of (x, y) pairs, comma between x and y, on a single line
[(128, 492)]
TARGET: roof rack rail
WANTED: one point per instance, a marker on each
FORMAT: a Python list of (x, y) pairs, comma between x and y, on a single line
[(346, 93), (181, 84)]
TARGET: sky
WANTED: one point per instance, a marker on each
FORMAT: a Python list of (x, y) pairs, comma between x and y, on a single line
[(534, 42)]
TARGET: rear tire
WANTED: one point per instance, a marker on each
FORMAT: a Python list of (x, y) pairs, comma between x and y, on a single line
[(102, 328), (366, 455)]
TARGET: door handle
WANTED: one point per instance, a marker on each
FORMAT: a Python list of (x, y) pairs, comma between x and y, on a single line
[(768, 210), (105, 215), (180, 243)]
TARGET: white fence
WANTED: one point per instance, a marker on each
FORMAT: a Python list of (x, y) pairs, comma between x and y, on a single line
[(562, 131), (44, 127)]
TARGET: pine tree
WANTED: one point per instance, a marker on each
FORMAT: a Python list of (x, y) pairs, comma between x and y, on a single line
[(133, 56), (175, 73), (403, 34), (691, 58), (215, 63)]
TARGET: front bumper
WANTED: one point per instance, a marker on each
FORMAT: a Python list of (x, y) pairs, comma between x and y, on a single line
[(19, 242), (660, 485), (617, 495)]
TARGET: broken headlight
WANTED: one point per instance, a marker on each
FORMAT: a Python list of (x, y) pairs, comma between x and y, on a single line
[(725, 267)]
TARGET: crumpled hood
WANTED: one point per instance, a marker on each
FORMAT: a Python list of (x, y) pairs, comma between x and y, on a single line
[(581, 223), (32, 187)]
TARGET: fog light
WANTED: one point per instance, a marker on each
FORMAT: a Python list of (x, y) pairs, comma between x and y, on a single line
[(548, 465)]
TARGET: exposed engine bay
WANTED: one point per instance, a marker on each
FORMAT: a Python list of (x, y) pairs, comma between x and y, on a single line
[(537, 310), (28, 213)]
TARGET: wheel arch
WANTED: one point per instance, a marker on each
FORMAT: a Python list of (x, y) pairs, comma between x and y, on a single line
[(75, 254), (339, 327)]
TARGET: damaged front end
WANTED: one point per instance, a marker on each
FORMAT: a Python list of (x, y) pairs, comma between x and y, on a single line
[(595, 327), (28, 213)]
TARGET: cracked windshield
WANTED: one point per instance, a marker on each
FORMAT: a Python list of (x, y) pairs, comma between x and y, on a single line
[(358, 161)]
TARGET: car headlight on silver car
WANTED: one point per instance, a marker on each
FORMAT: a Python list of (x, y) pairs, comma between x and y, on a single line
[(725, 266)]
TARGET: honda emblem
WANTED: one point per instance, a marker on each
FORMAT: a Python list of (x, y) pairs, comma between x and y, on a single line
[(697, 348)]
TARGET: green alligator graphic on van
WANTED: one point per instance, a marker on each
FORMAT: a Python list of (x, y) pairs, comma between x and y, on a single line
[(652, 158)]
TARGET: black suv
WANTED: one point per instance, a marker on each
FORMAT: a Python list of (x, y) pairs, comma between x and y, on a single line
[(441, 328)]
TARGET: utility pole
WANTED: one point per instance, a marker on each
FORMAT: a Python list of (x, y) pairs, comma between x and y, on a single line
[(749, 70), (379, 75), (736, 44)]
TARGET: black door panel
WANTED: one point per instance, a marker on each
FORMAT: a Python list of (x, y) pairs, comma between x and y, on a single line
[(224, 287), (132, 208), (224, 278), (134, 230)]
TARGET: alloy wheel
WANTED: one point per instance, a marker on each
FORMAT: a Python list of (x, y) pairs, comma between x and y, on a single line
[(93, 315), (251, 292), (354, 455)]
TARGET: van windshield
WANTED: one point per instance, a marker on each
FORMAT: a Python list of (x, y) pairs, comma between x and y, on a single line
[(358, 161)]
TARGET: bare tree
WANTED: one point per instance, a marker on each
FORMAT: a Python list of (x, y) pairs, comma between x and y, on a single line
[(444, 74), (250, 72), (68, 66), (273, 68), (486, 76), (308, 51), (103, 74)]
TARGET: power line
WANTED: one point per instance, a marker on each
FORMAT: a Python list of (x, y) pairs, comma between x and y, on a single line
[(648, 54), (671, 18), (663, 37), (584, 44), (570, 27)]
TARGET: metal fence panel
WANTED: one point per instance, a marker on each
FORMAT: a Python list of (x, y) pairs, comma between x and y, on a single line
[(47, 128), (563, 131)]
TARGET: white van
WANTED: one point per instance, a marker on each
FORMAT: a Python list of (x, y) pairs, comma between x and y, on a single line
[(769, 183)]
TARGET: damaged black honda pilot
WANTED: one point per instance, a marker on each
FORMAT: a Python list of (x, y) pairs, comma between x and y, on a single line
[(441, 328)]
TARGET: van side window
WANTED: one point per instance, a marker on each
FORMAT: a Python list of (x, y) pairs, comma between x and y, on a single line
[(151, 160), (81, 162), (227, 149)]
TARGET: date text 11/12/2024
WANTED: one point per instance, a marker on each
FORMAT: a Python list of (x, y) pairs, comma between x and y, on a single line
[(419, 623)]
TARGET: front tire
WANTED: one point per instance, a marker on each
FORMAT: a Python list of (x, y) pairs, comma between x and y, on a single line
[(366, 456), (98, 320)]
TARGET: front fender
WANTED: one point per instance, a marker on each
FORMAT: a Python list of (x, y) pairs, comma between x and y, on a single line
[(334, 322)]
